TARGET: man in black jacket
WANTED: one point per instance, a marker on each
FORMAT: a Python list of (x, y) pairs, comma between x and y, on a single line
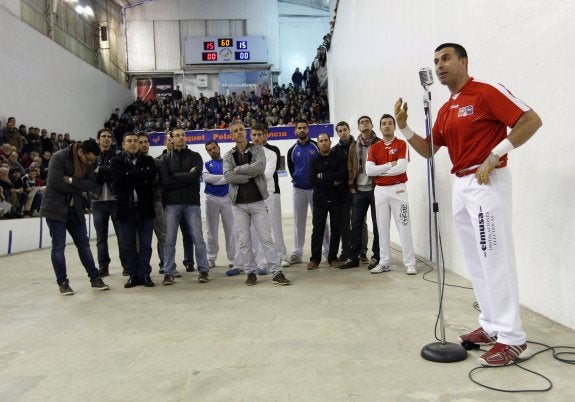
[(69, 175), (104, 205), (327, 173), (134, 174), (180, 170)]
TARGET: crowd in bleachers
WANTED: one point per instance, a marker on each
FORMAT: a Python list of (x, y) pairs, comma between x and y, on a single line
[(282, 106), (24, 157)]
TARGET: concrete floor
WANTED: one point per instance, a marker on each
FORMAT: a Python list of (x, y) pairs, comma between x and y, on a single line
[(335, 335)]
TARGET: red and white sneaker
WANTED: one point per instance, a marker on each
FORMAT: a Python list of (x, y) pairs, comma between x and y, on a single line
[(502, 355), (479, 336)]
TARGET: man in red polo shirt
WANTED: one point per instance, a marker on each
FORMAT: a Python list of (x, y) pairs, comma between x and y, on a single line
[(387, 163), (473, 124)]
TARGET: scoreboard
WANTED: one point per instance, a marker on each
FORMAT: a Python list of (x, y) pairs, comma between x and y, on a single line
[(225, 50)]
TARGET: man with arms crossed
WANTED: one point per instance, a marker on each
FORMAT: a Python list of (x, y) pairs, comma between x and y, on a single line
[(327, 173), (472, 124), (387, 163), (259, 134), (180, 170), (244, 167)]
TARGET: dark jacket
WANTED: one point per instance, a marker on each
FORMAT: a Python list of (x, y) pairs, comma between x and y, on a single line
[(342, 149), (129, 177), (178, 183), (59, 194), (329, 187), (103, 169)]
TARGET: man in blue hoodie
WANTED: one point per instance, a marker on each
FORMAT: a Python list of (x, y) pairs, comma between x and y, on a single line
[(299, 157)]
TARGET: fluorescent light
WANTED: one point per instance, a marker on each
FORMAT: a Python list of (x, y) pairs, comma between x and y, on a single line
[(79, 9), (88, 12)]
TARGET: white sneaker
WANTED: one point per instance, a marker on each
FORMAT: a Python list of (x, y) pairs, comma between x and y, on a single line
[(295, 259), (411, 270), (379, 268), (211, 263), (285, 263)]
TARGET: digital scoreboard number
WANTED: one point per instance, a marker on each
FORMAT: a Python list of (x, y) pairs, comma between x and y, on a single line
[(225, 50)]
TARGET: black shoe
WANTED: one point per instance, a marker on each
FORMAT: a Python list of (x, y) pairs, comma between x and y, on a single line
[(190, 268), (161, 271), (251, 280), (168, 280), (103, 272), (363, 259), (147, 281), (349, 264), (280, 279), (98, 284), (65, 289), (133, 281), (373, 263), (125, 272), (203, 278)]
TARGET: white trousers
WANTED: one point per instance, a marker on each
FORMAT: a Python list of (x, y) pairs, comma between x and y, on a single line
[(216, 207), (301, 200), (274, 207), (393, 201), (482, 216), (254, 215)]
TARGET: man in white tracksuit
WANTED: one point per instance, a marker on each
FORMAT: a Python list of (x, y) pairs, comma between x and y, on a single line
[(218, 204)]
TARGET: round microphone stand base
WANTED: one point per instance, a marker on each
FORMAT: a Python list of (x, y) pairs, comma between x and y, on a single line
[(443, 352)]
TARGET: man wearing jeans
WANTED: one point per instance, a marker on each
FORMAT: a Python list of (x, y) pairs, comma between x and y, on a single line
[(244, 167), (180, 170), (69, 175)]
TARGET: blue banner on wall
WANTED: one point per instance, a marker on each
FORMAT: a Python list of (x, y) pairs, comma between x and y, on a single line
[(275, 133)]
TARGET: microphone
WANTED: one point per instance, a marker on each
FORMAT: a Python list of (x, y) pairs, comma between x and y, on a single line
[(426, 77)]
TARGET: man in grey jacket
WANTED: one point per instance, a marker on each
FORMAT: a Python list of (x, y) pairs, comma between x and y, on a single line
[(244, 167), (70, 174)]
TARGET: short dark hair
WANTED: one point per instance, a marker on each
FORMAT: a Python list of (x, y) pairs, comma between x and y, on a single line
[(459, 50), (364, 117), (142, 134), (212, 142), (90, 147), (342, 123), (300, 120), (387, 116), (175, 129), (102, 130), (260, 127), (129, 134), (14, 169)]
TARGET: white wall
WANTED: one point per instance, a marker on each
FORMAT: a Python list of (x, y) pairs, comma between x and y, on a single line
[(46, 86), (187, 16), (301, 32), (377, 50)]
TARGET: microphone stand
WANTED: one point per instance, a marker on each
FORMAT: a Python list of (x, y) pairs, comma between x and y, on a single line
[(441, 352)]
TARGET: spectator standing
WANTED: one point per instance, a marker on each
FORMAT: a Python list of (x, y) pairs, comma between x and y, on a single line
[(104, 205), (244, 167), (361, 187), (218, 204), (297, 78), (180, 170), (387, 164), (133, 177), (70, 174), (327, 175), (299, 156)]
